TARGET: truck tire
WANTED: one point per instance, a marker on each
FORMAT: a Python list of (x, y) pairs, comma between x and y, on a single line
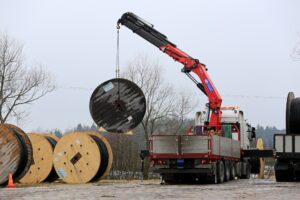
[(233, 170), (227, 170), (248, 170), (213, 178), (296, 173), (168, 179), (247, 173), (294, 124), (282, 172), (239, 169), (255, 165), (290, 98), (220, 172), (282, 176)]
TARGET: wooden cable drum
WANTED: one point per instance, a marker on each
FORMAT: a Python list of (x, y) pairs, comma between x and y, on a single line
[(11, 153), (260, 146), (53, 175), (106, 155), (77, 158), (15, 153), (82, 157), (54, 137), (41, 168), (28, 154)]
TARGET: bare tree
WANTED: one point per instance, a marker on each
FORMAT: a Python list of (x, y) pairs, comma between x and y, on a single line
[(19, 85), (161, 100)]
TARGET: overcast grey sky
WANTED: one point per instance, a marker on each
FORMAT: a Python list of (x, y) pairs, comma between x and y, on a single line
[(246, 46)]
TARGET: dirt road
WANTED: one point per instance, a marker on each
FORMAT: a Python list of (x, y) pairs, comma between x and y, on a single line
[(238, 189)]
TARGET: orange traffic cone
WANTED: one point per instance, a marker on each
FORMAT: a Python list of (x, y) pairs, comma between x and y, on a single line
[(10, 181)]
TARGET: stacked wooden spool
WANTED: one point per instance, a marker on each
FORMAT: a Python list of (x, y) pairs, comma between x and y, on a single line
[(82, 157), (78, 157), (41, 169), (15, 153), (260, 145)]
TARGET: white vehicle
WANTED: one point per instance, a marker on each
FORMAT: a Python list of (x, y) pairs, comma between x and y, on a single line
[(204, 154)]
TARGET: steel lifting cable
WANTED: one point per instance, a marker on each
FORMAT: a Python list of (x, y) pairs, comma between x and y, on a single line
[(118, 53), (118, 59)]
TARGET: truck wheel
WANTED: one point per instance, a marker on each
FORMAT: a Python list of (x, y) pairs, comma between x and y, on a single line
[(220, 172), (213, 178), (227, 170), (255, 165), (233, 170), (282, 173), (168, 179), (239, 169), (247, 171), (295, 116)]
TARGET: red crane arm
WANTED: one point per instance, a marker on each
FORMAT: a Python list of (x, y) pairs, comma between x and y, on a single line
[(200, 70), (146, 31)]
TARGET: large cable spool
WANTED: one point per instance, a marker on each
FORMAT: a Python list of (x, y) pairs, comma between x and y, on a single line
[(42, 168), (106, 155), (76, 158), (260, 146), (292, 114), (290, 98), (11, 153), (15, 153), (118, 105), (82, 157), (295, 116)]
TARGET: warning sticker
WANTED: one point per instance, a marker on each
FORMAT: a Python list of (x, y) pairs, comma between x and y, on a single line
[(61, 173), (129, 118), (108, 86)]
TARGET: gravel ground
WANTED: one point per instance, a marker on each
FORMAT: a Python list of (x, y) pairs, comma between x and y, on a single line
[(237, 189)]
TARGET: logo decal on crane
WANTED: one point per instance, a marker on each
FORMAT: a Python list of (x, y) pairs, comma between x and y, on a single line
[(208, 85)]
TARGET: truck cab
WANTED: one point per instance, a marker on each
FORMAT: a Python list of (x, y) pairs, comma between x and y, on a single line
[(234, 116)]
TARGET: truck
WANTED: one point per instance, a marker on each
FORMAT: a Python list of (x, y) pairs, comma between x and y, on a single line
[(287, 146), (204, 155), (217, 147)]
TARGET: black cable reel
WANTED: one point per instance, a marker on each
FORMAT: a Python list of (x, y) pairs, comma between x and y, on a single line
[(118, 105), (292, 114)]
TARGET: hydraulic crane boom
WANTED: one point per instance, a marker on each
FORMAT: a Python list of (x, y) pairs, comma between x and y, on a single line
[(146, 31)]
